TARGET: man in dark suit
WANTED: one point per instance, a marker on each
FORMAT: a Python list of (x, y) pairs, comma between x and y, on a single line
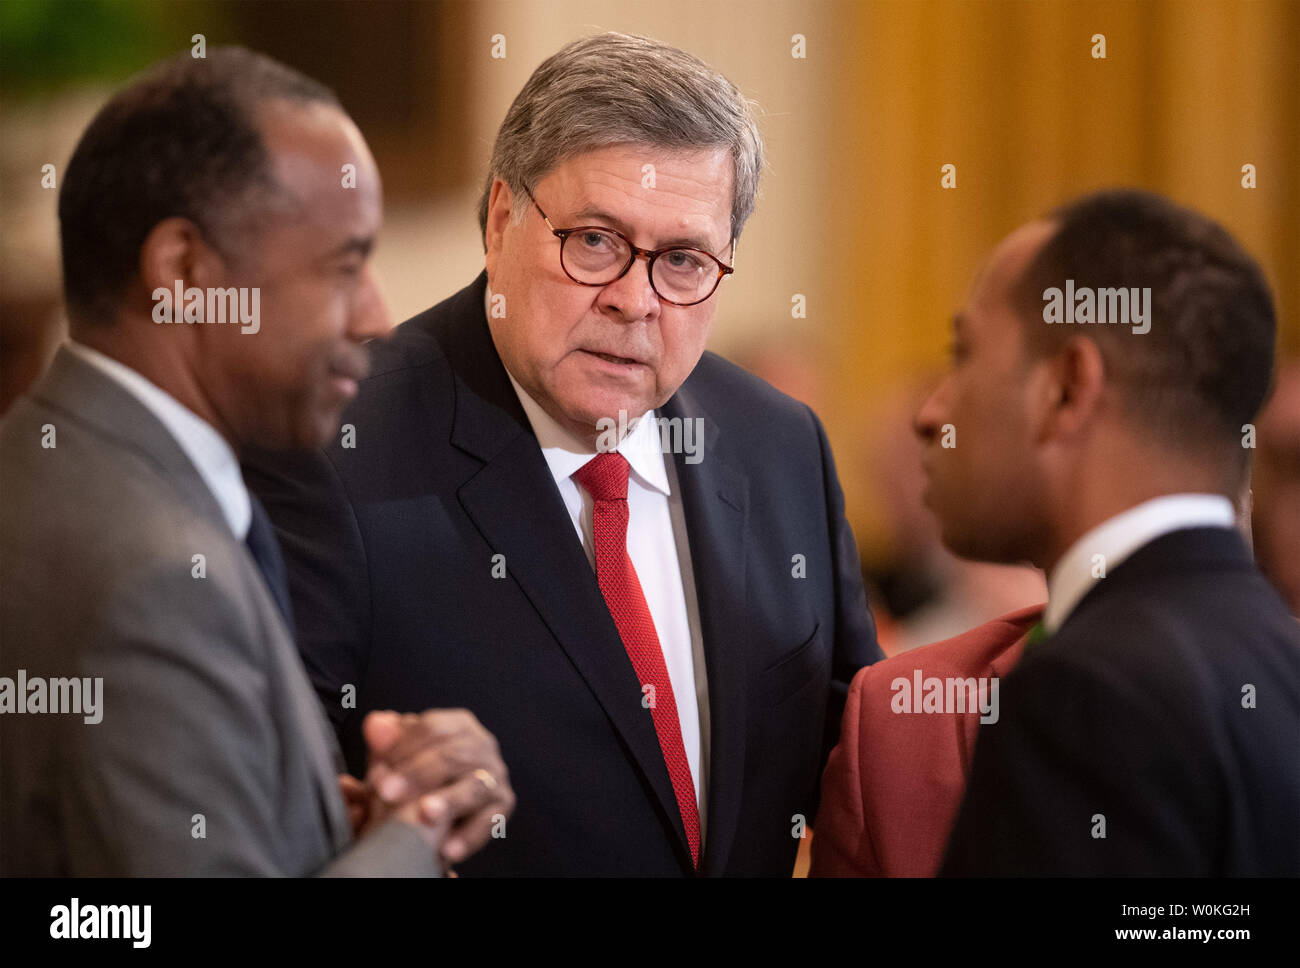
[(1151, 726), (136, 572), (627, 556)]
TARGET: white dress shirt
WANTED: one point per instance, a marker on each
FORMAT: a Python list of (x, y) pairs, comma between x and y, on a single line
[(206, 449), (657, 544), (1117, 538)]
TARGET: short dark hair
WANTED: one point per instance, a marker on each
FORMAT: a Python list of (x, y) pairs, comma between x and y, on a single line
[(1203, 368), (180, 141)]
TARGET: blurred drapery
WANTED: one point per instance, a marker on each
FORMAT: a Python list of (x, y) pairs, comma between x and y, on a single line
[(852, 216)]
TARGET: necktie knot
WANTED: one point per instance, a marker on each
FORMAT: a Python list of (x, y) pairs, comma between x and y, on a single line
[(605, 476)]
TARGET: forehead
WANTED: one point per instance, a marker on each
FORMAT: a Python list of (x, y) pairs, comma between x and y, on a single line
[(309, 145), (990, 294), (677, 191)]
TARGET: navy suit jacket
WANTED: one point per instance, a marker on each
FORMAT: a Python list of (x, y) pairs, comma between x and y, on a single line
[(391, 545), (1168, 703)]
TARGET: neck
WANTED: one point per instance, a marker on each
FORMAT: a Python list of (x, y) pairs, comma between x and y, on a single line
[(163, 356), (1092, 499), (1116, 472)]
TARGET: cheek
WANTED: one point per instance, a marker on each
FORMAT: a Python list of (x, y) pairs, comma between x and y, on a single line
[(300, 326), (529, 333), (986, 431), (535, 315), (682, 336)]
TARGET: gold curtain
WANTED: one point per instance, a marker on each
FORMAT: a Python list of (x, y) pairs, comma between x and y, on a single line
[(1010, 94)]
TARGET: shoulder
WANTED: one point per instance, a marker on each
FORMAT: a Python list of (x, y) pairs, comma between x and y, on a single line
[(977, 652), (422, 341), (1126, 671), (100, 528), (722, 386), (973, 652), (751, 412), (1177, 636)]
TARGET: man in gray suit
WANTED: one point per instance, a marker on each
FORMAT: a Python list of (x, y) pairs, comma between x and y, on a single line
[(155, 718)]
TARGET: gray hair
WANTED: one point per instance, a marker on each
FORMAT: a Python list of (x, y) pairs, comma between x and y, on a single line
[(616, 89)]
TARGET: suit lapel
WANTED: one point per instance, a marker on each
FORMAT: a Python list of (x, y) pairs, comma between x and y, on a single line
[(513, 502), (91, 396), (715, 503)]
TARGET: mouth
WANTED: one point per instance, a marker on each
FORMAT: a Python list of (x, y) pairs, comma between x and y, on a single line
[(346, 373), (614, 359), (350, 366), (343, 386)]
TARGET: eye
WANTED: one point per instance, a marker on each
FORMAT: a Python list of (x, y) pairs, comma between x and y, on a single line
[(684, 260), (596, 241)]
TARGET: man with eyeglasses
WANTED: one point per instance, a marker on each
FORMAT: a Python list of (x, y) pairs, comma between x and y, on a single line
[(658, 623)]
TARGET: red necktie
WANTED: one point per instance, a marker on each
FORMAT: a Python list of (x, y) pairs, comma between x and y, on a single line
[(605, 478)]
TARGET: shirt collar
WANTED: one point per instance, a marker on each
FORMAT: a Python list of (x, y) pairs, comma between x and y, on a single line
[(1118, 537), (207, 450), (565, 453)]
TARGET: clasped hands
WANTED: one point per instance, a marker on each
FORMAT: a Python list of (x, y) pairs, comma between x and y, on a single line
[(440, 771)]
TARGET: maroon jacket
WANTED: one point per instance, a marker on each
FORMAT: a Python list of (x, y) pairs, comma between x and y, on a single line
[(892, 786)]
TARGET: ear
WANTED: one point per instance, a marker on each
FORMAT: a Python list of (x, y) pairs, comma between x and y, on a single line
[(500, 205), (175, 250), (1077, 380)]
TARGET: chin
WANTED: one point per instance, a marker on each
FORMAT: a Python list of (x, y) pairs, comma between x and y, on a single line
[(321, 431), (308, 432), (597, 406), (982, 540), (957, 541)]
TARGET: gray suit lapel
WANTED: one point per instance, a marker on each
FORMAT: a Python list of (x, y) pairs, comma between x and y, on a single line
[(91, 397)]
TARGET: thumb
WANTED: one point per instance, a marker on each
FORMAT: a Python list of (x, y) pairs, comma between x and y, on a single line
[(381, 730)]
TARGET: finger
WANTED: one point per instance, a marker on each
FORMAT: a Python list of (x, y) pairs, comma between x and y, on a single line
[(433, 769), (468, 836), (431, 728), (441, 765), (357, 814), (424, 773), (433, 832), (352, 787), (473, 794), (381, 729)]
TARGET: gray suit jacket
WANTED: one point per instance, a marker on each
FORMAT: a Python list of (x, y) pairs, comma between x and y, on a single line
[(212, 755)]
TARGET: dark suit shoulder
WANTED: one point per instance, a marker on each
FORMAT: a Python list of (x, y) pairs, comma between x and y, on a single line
[(1180, 641), (422, 340), (411, 345), (756, 419), (727, 389), (1189, 614)]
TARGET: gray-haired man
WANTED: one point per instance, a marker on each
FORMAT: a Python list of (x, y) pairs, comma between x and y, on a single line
[(627, 556)]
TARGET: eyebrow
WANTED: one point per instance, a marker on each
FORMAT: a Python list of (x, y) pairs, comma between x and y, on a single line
[(361, 244), (591, 211)]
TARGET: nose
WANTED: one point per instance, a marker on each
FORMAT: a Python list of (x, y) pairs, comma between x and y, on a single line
[(370, 317), (931, 415), (632, 296)]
